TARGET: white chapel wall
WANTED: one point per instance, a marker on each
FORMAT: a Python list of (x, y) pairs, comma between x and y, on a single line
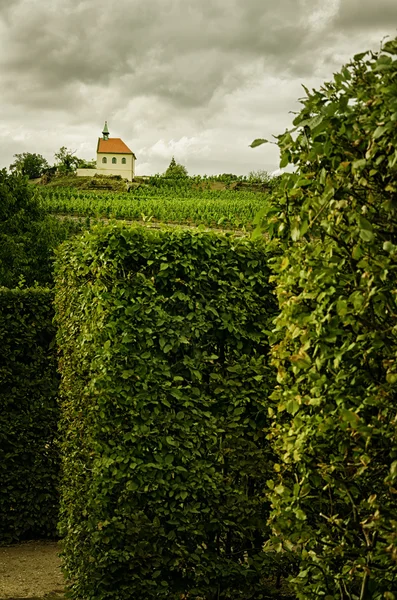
[(108, 168)]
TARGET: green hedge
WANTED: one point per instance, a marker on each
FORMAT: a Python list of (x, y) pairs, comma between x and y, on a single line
[(29, 462), (335, 352), (164, 340)]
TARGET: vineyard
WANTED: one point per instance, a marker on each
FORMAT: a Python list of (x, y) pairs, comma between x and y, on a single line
[(227, 209)]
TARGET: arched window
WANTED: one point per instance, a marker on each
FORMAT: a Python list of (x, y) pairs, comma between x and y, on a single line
[(104, 160), (123, 161), (114, 160)]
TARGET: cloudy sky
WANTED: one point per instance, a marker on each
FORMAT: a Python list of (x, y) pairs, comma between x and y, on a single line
[(197, 79)]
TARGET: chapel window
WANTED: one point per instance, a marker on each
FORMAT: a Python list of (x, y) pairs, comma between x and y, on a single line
[(104, 159), (114, 160)]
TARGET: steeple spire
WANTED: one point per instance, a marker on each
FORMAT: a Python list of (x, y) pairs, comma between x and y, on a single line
[(105, 131)]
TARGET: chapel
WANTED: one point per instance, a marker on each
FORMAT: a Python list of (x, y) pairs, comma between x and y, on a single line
[(113, 157)]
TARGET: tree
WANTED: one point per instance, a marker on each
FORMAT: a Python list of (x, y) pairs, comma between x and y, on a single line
[(31, 165), (260, 176), (175, 170), (66, 161), (28, 235), (86, 164), (334, 428)]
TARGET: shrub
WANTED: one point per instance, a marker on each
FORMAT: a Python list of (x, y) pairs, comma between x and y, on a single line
[(335, 403), (29, 462), (164, 338)]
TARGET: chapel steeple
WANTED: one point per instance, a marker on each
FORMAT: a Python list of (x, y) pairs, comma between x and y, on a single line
[(105, 132)]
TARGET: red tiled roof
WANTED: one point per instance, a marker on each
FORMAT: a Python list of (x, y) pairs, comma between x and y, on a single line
[(113, 146)]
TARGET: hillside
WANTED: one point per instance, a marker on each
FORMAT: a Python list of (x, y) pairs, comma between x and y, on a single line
[(116, 184)]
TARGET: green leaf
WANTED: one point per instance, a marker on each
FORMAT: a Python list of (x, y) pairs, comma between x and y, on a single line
[(304, 227), (359, 56), (259, 216), (359, 164), (284, 160), (292, 407), (341, 307), (127, 373), (300, 514), (329, 193), (258, 142), (366, 232), (379, 131), (391, 378), (295, 230), (284, 263)]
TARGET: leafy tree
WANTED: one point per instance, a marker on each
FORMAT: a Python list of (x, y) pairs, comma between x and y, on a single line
[(175, 170), (260, 176), (226, 177), (86, 164), (27, 235), (334, 489), (66, 161), (32, 165)]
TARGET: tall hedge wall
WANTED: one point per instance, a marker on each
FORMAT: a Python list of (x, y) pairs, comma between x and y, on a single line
[(164, 340), (29, 462)]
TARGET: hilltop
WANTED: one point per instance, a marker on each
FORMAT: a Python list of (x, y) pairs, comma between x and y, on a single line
[(116, 184)]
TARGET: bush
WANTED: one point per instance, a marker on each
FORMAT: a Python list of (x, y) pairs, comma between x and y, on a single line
[(335, 403), (164, 341), (29, 462)]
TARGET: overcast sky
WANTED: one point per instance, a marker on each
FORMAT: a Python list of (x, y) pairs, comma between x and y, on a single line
[(197, 79)]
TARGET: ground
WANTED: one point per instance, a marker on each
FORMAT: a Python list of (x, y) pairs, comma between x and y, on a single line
[(31, 570)]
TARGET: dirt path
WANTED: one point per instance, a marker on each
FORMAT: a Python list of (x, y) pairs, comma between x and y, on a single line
[(30, 570)]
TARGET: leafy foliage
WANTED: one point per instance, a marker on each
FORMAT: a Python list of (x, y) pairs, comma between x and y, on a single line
[(82, 163), (334, 498), (258, 142), (66, 160), (164, 343), (31, 165), (175, 170), (27, 235), (259, 176), (226, 177), (29, 462)]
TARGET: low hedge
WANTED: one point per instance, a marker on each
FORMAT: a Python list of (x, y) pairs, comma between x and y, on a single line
[(29, 464), (163, 342)]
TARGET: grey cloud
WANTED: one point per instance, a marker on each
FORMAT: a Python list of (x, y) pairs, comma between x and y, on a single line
[(367, 14), (164, 67), (179, 50)]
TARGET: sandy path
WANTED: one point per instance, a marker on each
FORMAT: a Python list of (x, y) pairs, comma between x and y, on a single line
[(30, 570)]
